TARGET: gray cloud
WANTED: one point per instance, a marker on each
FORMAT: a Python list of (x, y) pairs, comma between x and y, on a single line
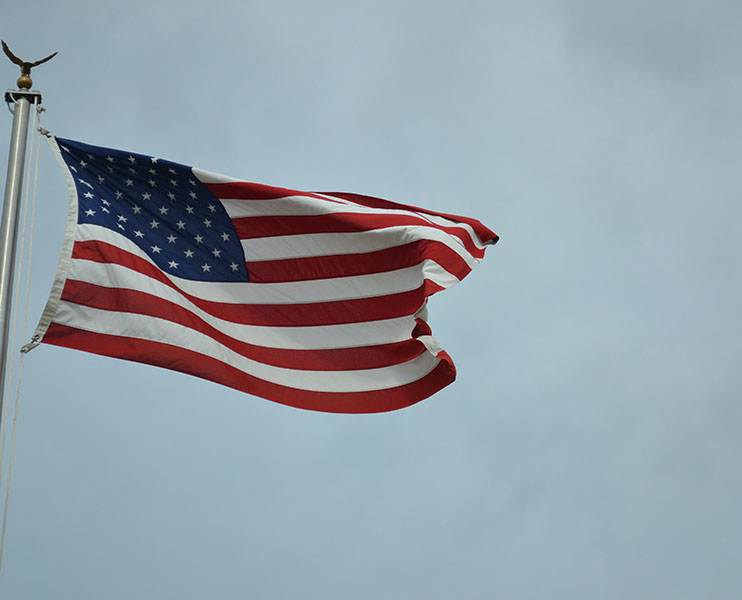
[(588, 448)]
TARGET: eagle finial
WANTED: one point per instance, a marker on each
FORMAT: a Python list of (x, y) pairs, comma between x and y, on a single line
[(24, 81)]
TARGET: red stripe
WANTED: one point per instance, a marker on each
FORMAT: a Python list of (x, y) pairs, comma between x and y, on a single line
[(485, 235), (344, 359), (421, 328), (274, 315), (256, 191), (245, 190), (193, 363), (348, 265), (273, 226)]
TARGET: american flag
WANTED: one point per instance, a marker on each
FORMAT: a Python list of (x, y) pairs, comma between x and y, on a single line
[(314, 300)]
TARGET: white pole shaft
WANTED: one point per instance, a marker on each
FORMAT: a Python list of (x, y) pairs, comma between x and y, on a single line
[(9, 227)]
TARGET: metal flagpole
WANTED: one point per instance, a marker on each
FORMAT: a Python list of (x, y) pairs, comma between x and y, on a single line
[(22, 99)]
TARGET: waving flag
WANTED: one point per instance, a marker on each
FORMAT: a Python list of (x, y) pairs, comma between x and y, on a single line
[(308, 299)]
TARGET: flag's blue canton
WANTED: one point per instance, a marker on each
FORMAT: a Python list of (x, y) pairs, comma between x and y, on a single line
[(161, 207)]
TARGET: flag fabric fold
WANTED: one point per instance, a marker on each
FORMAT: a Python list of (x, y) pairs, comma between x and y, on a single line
[(314, 300)]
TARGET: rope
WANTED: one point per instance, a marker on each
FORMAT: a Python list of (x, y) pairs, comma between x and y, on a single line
[(33, 160)]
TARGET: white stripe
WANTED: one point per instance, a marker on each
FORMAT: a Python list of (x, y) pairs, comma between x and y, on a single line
[(443, 221), (159, 330), (323, 290), (209, 177), (331, 244), (295, 338), (303, 206)]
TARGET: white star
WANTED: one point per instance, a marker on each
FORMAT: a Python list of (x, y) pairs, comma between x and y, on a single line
[(173, 183), (225, 236), (109, 158), (172, 264), (171, 239), (155, 249), (85, 183), (153, 224), (129, 182), (191, 182), (137, 209), (234, 266), (180, 225), (188, 253), (163, 210), (189, 209), (171, 170), (88, 195), (206, 267), (139, 234), (72, 167), (207, 222), (152, 183), (192, 194), (146, 196), (83, 164), (105, 210), (64, 148), (132, 160), (120, 226), (171, 195), (151, 170), (101, 179), (90, 212), (199, 239), (109, 169), (122, 218), (106, 202), (216, 252), (118, 195), (154, 160), (132, 170), (90, 156), (212, 208)]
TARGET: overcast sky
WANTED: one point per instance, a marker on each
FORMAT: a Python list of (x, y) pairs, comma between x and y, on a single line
[(590, 447)]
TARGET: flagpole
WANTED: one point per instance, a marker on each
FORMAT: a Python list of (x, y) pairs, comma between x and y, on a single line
[(22, 99)]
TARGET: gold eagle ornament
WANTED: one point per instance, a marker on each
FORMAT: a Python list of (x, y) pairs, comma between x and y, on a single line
[(24, 81)]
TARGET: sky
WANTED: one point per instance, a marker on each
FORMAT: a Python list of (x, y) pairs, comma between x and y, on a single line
[(590, 445)]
